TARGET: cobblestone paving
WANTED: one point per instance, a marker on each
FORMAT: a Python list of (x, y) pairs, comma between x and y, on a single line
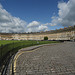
[(56, 59)]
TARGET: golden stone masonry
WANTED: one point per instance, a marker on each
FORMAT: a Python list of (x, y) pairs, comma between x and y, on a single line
[(59, 34)]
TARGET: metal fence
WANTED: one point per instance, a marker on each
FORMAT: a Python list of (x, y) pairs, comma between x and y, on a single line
[(6, 54), (4, 59)]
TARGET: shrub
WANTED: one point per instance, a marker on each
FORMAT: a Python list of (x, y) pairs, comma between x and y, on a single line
[(45, 38)]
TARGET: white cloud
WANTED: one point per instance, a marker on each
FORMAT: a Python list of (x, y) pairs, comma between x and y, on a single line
[(66, 17), (11, 24), (46, 24), (36, 26), (43, 28), (8, 23), (66, 14), (33, 24)]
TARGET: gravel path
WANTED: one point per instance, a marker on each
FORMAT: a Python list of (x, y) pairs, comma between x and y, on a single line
[(55, 59)]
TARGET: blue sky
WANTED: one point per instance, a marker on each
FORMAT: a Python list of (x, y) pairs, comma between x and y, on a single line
[(41, 13), (30, 10)]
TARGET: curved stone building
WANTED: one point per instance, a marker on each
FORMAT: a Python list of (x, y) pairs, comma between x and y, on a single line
[(60, 34)]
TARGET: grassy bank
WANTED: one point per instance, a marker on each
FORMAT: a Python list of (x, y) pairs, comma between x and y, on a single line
[(9, 45), (4, 42)]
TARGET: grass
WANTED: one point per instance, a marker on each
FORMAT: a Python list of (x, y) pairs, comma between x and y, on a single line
[(4, 42), (15, 45), (10, 47)]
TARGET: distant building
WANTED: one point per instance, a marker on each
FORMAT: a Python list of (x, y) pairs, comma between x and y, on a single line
[(59, 34)]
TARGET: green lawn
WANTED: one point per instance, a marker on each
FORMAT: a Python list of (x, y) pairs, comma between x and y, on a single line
[(10, 47), (3, 42), (15, 45)]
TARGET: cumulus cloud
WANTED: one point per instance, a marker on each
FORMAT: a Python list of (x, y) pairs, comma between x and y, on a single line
[(8, 23), (33, 24), (43, 28), (66, 17), (36, 26), (66, 14)]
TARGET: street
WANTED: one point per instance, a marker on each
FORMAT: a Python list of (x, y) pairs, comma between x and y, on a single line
[(54, 59)]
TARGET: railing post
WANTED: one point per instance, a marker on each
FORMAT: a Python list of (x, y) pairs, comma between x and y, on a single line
[(12, 68), (12, 65), (1, 59)]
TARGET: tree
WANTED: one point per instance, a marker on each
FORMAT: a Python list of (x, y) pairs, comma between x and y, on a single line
[(45, 38)]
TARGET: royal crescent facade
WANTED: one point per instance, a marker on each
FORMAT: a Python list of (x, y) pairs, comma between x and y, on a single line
[(59, 34)]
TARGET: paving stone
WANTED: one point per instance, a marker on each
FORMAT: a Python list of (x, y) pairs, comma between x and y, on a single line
[(56, 59)]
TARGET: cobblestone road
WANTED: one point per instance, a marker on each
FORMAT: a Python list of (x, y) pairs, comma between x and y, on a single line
[(56, 59)]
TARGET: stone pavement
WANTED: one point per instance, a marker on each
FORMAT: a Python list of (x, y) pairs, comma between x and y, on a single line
[(57, 59)]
